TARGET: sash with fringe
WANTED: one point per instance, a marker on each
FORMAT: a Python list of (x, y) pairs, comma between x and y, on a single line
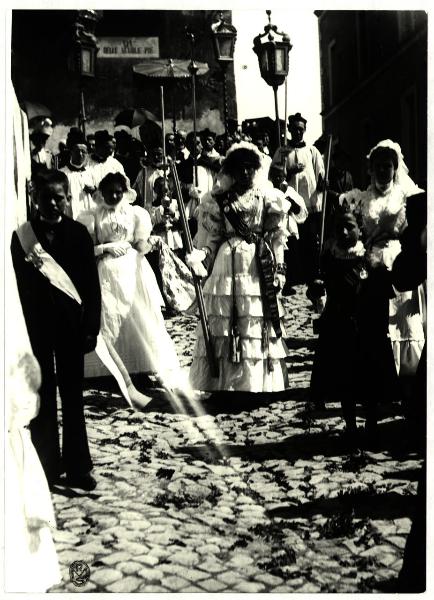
[(44, 262)]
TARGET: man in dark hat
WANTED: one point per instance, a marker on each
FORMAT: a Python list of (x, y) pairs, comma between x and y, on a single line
[(42, 158), (129, 151), (149, 172), (208, 143), (90, 140), (304, 169)]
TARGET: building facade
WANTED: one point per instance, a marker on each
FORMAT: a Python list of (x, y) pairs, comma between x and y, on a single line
[(41, 48), (374, 84)]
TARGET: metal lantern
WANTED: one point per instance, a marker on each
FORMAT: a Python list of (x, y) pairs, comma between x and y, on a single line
[(86, 59), (84, 43), (224, 36), (82, 59), (273, 58)]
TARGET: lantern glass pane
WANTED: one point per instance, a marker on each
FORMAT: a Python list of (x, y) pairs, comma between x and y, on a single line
[(225, 47), (280, 60), (264, 61), (86, 61)]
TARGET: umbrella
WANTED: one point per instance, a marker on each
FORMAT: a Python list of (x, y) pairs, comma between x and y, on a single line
[(35, 112), (134, 117), (166, 70)]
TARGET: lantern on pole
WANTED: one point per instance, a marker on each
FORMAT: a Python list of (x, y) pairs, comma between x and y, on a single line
[(82, 60), (273, 58), (224, 36)]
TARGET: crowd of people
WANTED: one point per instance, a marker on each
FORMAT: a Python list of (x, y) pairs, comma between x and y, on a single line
[(103, 259)]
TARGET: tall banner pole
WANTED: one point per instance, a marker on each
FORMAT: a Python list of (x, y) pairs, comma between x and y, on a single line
[(193, 69), (163, 128), (286, 112), (324, 197), (213, 366)]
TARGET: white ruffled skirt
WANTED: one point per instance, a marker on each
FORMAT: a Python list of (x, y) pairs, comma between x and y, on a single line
[(131, 319), (253, 372)]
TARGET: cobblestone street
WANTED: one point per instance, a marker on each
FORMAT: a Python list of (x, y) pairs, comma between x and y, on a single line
[(230, 497)]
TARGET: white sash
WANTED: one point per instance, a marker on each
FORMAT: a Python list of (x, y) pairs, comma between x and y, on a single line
[(43, 261)]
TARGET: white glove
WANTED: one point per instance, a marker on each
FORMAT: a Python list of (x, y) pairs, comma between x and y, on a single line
[(117, 248), (194, 260), (279, 281), (195, 193)]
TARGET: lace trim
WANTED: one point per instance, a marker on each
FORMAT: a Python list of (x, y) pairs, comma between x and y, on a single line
[(356, 251)]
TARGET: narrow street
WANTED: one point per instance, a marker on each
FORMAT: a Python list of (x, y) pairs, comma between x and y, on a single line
[(218, 497)]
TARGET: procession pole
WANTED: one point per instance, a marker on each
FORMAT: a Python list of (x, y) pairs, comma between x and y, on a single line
[(276, 108), (213, 366), (286, 112), (83, 117), (193, 69), (283, 155), (324, 198), (163, 129)]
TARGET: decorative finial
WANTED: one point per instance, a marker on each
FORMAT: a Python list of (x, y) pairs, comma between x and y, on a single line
[(269, 16)]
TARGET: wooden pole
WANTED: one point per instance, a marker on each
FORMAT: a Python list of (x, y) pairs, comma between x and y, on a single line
[(324, 198), (163, 128), (286, 112), (193, 68), (276, 108), (213, 366)]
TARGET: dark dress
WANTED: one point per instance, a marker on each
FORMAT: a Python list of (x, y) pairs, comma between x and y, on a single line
[(57, 327), (410, 270), (353, 360)]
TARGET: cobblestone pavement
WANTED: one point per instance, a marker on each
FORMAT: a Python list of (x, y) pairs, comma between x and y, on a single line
[(232, 497)]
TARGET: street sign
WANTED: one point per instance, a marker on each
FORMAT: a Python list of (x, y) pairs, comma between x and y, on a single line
[(128, 47)]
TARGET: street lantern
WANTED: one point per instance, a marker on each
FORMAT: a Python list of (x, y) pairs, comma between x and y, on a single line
[(82, 60), (273, 58), (224, 36)]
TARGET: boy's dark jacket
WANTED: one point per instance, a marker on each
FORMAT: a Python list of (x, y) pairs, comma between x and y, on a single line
[(43, 304)]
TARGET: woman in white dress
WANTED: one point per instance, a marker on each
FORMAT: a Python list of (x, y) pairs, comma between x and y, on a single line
[(242, 225), (381, 209), (132, 326)]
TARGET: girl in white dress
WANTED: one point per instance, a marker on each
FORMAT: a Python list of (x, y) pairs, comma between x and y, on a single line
[(247, 340), (132, 326)]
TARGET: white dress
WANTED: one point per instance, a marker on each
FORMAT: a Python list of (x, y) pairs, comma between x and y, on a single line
[(131, 319), (30, 560), (170, 235), (383, 218), (99, 169), (78, 180), (235, 274)]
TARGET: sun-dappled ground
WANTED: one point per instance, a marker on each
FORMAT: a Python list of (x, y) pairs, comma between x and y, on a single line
[(237, 495)]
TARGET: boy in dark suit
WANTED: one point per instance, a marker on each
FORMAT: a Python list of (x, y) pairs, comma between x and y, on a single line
[(59, 289)]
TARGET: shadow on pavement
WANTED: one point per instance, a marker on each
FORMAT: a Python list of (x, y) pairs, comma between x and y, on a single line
[(390, 505), (297, 343), (308, 445)]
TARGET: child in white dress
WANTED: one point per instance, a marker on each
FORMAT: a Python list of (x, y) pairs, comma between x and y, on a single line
[(132, 326)]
